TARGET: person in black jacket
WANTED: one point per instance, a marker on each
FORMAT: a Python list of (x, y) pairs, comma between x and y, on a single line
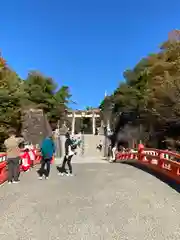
[(68, 155)]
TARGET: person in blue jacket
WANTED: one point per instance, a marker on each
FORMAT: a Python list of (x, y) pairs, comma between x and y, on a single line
[(47, 152)]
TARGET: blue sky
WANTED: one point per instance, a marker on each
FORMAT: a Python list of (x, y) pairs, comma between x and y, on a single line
[(84, 44)]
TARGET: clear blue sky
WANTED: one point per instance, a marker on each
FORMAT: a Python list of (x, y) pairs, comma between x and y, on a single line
[(84, 44)]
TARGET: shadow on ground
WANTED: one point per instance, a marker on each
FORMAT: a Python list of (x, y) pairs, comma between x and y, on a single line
[(161, 177)]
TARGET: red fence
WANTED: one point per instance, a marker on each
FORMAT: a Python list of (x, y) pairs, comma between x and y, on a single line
[(163, 162), (3, 166)]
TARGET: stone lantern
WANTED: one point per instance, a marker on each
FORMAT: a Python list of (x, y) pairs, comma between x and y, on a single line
[(106, 114)]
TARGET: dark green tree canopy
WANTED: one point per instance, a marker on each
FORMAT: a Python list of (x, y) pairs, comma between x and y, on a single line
[(36, 91), (152, 90)]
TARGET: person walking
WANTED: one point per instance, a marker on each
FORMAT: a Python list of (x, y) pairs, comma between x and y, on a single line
[(69, 152), (12, 145), (47, 151)]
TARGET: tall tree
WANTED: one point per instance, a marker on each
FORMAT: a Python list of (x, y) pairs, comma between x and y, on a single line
[(10, 101), (40, 90), (61, 101), (37, 91), (152, 90)]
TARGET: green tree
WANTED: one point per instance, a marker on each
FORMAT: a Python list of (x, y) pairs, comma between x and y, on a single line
[(152, 90), (37, 91), (40, 91), (88, 108), (10, 102), (61, 101), (43, 93)]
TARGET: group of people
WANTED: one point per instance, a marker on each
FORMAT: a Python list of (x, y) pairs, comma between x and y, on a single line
[(48, 150), (17, 159)]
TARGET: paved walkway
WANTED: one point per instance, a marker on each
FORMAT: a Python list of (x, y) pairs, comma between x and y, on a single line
[(82, 160), (103, 202)]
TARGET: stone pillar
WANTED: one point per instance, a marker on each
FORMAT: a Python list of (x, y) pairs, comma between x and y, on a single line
[(101, 129), (73, 124), (106, 146), (108, 125), (57, 143), (60, 142), (59, 160), (94, 124)]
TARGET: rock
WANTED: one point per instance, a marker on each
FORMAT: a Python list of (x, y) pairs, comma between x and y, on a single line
[(35, 126)]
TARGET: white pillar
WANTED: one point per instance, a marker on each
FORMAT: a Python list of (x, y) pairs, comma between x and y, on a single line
[(94, 124), (108, 125), (73, 124)]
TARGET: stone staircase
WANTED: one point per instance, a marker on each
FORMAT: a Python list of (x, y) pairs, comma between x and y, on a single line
[(90, 143), (88, 153)]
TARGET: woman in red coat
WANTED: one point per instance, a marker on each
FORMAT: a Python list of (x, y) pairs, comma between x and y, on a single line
[(26, 160)]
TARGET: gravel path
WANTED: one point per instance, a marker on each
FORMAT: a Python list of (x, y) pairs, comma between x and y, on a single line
[(103, 202)]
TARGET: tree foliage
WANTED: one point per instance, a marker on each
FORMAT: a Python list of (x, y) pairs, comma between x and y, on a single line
[(151, 90), (36, 91)]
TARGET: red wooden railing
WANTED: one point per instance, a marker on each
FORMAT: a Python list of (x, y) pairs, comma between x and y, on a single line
[(163, 162), (3, 166)]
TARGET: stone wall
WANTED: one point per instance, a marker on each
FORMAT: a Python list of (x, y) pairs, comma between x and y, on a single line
[(35, 126)]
